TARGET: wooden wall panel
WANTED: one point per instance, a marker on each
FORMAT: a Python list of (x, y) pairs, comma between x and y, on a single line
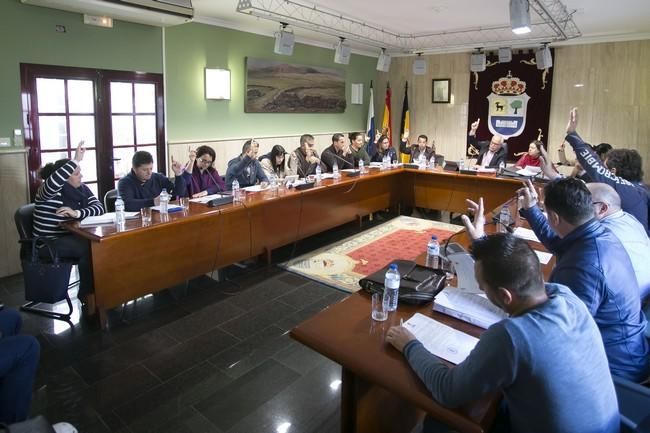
[(13, 190)]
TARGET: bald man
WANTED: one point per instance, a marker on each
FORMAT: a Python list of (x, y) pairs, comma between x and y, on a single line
[(628, 230), (491, 153)]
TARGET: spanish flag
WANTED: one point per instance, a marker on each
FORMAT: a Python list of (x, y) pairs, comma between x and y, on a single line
[(386, 121), (405, 124)]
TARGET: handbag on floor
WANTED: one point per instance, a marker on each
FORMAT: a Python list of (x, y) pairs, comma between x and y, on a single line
[(46, 279), (418, 284)]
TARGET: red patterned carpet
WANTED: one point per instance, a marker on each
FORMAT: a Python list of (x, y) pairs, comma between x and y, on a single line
[(344, 263)]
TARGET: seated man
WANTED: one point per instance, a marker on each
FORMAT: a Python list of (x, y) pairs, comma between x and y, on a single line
[(142, 187), (303, 160), (621, 169), (593, 263), (490, 153), (547, 358), (422, 147), (338, 152), (246, 168), (19, 356), (358, 148)]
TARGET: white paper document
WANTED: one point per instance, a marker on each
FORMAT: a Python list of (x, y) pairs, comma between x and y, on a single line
[(256, 188), (441, 340), (526, 234), (468, 307), (543, 257), (107, 218), (529, 171), (206, 198)]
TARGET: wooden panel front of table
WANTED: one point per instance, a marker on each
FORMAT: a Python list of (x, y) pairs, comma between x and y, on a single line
[(141, 260)]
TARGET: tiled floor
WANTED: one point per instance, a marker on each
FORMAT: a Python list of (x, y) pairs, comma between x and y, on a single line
[(213, 357)]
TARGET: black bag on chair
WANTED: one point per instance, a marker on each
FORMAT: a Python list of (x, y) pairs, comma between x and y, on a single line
[(46, 279)]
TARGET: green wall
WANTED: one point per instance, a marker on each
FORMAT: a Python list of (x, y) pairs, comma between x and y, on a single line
[(192, 47), (29, 36)]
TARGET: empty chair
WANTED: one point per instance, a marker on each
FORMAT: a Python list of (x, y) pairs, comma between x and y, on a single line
[(109, 200), (634, 406)]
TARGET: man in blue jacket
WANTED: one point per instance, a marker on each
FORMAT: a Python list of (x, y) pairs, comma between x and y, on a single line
[(621, 169), (593, 263), (246, 168), (142, 187)]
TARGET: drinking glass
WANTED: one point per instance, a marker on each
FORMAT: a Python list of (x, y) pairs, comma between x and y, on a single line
[(379, 313), (145, 212)]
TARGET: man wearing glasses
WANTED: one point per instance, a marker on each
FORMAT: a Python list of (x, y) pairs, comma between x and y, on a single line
[(303, 160), (490, 153)]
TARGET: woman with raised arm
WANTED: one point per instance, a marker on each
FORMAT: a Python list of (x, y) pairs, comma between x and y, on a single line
[(200, 175), (63, 197)]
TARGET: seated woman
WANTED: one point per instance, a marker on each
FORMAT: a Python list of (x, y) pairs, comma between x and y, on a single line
[(273, 163), (532, 157), (384, 148), (62, 197), (200, 176)]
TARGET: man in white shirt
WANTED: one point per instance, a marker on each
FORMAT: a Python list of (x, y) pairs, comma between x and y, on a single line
[(490, 154)]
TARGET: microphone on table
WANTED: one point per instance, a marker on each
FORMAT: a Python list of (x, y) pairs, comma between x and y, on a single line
[(342, 159)]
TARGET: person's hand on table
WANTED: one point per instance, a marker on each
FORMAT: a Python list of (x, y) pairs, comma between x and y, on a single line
[(200, 194), (399, 336), (476, 229), (264, 184), (67, 212), (530, 195)]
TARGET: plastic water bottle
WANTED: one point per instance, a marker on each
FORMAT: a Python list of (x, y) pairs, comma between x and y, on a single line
[(236, 192), (119, 211), (461, 164), (335, 170), (504, 219), (361, 166), (273, 182), (319, 173), (164, 202), (433, 253), (385, 162), (391, 288)]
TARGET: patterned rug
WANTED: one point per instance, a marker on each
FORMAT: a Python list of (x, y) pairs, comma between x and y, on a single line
[(342, 264)]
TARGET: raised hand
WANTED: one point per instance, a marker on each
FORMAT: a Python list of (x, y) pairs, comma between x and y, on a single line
[(80, 151), (177, 167), (476, 229), (474, 125), (546, 164), (529, 193), (573, 121), (405, 136)]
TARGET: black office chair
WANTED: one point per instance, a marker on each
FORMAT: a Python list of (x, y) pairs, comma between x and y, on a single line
[(440, 160), (633, 405), (109, 200), (24, 219)]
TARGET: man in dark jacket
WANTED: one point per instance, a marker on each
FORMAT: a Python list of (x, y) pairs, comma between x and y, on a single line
[(621, 169), (593, 263), (339, 153), (246, 168), (142, 187), (490, 153)]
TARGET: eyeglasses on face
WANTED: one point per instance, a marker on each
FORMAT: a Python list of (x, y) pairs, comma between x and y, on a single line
[(205, 161)]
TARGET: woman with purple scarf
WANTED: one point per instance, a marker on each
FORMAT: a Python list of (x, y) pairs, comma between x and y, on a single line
[(200, 176)]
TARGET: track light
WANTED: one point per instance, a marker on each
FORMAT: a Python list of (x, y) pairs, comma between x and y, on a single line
[(520, 16), (383, 61), (505, 55), (342, 53), (419, 65), (284, 41)]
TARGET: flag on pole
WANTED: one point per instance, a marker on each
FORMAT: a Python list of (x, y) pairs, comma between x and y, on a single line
[(386, 121), (405, 124), (370, 126)]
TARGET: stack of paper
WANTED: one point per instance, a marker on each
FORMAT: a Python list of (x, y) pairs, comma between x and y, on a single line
[(468, 307), (526, 234), (206, 198), (441, 340), (107, 218)]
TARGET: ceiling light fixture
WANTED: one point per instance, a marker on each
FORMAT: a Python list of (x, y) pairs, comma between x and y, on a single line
[(419, 65), (520, 16), (342, 53), (383, 61), (284, 41)]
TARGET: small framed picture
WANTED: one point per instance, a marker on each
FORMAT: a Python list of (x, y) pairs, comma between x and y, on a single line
[(441, 91)]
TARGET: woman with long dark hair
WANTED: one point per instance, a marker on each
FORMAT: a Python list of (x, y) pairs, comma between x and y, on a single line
[(63, 197), (274, 162), (200, 175), (531, 158), (384, 148)]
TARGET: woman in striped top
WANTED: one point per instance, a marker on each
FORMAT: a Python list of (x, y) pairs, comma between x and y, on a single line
[(62, 197)]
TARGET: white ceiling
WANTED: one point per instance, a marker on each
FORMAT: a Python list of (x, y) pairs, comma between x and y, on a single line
[(597, 20)]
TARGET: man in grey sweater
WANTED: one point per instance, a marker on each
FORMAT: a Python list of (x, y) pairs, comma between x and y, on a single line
[(547, 358)]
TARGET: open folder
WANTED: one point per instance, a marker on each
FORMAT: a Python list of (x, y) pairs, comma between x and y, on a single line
[(469, 307)]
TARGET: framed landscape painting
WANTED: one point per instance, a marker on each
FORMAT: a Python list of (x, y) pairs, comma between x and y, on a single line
[(277, 87)]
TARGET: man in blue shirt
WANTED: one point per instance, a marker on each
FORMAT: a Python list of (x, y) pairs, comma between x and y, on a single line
[(547, 358), (593, 263), (142, 187), (246, 168)]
